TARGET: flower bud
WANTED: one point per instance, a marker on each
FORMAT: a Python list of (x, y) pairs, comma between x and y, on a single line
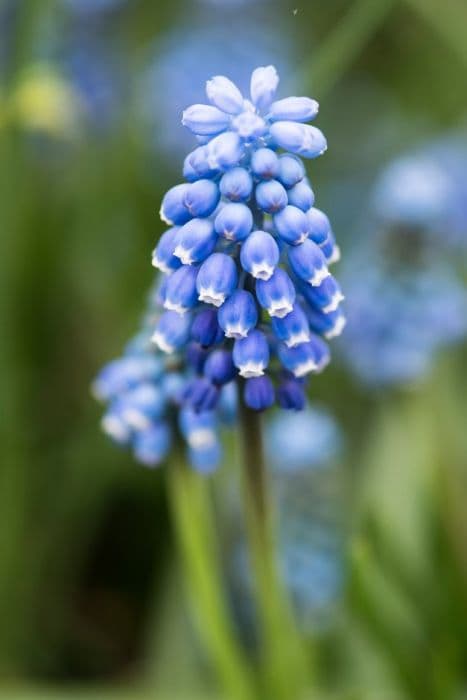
[(195, 356), (277, 294), (251, 354), (217, 279), (305, 140), (173, 211), (292, 225), (224, 94), (236, 184), (180, 293), (291, 394), (200, 394), (293, 329), (330, 249), (238, 315), (326, 297), (249, 126), (263, 86), (198, 429), (259, 255), (305, 358), (151, 446), (172, 331), (301, 195), (196, 165), (205, 120), (205, 328), (219, 367), (259, 393), (291, 170), (205, 460), (196, 241), (142, 405), (234, 221), (295, 109), (319, 225), (163, 255), (201, 198), (264, 163), (330, 325), (225, 151), (308, 262), (271, 196)]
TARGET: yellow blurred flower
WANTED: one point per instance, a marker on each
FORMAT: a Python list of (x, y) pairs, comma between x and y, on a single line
[(44, 101)]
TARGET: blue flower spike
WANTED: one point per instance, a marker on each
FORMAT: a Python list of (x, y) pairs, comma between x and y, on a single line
[(245, 298)]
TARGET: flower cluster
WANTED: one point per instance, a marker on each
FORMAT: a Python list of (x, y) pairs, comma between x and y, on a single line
[(142, 390), (247, 289), (397, 323), (426, 190), (406, 300)]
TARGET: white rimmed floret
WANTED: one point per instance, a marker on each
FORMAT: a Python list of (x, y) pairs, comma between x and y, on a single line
[(336, 299), (184, 255), (335, 255), (235, 331), (135, 418), (176, 306), (304, 368), (280, 307), (210, 296), (337, 328), (160, 264), (318, 276), (261, 270), (162, 343), (201, 438), (298, 338), (251, 369), (115, 427)]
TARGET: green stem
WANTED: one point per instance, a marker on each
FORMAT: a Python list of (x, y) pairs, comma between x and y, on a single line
[(195, 528), (281, 649)]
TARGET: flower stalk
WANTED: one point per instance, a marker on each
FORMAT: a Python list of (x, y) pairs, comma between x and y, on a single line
[(284, 664), (192, 514)]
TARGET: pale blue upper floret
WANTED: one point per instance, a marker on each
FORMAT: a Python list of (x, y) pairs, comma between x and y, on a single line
[(259, 120)]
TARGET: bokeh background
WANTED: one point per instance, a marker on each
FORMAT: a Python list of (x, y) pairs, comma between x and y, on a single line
[(373, 518)]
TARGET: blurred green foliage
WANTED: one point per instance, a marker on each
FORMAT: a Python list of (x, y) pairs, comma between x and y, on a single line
[(89, 589)]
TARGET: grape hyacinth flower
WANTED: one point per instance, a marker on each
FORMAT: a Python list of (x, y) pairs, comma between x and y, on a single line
[(426, 191), (398, 324), (247, 287), (406, 298), (143, 392), (245, 295)]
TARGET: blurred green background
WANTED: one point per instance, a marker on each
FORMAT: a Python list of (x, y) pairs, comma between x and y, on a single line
[(91, 597)]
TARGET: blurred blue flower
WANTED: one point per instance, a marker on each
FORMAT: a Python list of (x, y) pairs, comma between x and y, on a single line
[(427, 190), (303, 451), (405, 297), (93, 66), (309, 439), (398, 321), (143, 389)]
